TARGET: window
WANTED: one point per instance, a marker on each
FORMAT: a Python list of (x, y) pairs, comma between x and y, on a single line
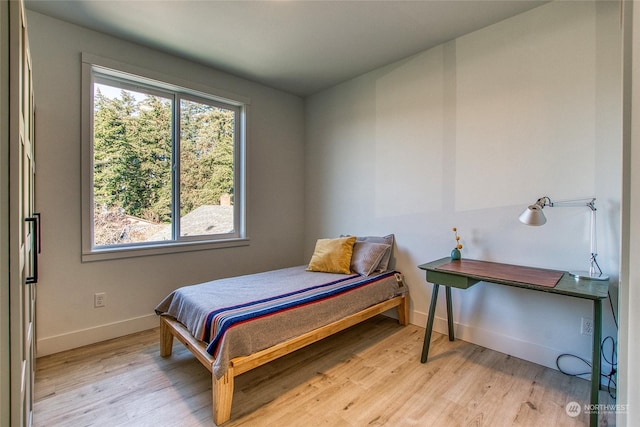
[(165, 166)]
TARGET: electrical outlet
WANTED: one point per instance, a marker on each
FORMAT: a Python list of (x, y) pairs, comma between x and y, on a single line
[(99, 300), (586, 328)]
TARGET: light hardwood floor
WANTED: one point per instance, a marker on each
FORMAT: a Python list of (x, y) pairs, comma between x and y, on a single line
[(369, 374)]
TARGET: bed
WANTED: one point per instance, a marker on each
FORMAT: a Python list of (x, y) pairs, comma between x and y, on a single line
[(236, 324)]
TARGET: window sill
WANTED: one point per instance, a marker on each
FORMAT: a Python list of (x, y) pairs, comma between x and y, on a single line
[(160, 249)]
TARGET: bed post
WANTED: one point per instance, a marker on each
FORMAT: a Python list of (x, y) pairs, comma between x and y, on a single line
[(166, 338), (222, 390), (403, 311)]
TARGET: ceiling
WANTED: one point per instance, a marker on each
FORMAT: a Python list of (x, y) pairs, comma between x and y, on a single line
[(300, 47)]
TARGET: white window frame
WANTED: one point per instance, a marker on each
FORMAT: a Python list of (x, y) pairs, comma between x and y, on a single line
[(154, 81)]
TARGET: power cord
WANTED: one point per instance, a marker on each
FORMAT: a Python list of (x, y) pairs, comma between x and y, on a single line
[(611, 382), (613, 361)]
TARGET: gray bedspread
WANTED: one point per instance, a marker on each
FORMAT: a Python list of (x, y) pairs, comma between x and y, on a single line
[(191, 305)]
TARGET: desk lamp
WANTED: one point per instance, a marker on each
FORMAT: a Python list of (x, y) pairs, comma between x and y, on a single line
[(533, 215)]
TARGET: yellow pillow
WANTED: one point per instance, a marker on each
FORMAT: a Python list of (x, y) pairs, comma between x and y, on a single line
[(332, 255)]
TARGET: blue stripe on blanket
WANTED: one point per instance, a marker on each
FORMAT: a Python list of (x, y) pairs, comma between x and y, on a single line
[(220, 320)]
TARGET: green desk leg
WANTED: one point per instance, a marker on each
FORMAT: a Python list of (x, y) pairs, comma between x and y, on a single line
[(595, 361), (432, 314), (427, 332), (449, 313)]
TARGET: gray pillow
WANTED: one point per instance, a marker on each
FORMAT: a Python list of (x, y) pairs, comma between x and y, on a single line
[(367, 256), (387, 240)]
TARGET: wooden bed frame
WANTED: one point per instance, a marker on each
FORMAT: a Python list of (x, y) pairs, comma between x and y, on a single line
[(222, 389)]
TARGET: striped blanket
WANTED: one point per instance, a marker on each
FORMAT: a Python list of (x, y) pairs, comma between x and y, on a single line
[(220, 320), (241, 315)]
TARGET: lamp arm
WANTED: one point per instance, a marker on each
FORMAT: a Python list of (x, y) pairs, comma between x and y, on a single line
[(594, 268), (588, 202)]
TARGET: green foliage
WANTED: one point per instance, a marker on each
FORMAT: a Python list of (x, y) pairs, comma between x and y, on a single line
[(133, 155), (206, 155)]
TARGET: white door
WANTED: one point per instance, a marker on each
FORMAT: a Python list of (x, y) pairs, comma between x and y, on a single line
[(24, 223)]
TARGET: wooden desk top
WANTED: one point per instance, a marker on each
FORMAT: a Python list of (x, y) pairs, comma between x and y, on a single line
[(465, 272)]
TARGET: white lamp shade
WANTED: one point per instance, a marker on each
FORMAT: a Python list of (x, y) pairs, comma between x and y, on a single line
[(533, 215)]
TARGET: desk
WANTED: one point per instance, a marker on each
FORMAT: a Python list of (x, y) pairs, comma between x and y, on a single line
[(463, 274)]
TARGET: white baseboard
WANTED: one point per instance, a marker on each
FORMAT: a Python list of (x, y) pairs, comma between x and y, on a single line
[(82, 337)]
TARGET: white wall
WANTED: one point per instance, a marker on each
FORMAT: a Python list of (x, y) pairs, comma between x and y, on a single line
[(275, 199), (468, 134)]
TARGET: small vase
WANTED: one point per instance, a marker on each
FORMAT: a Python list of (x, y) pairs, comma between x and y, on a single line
[(455, 254)]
